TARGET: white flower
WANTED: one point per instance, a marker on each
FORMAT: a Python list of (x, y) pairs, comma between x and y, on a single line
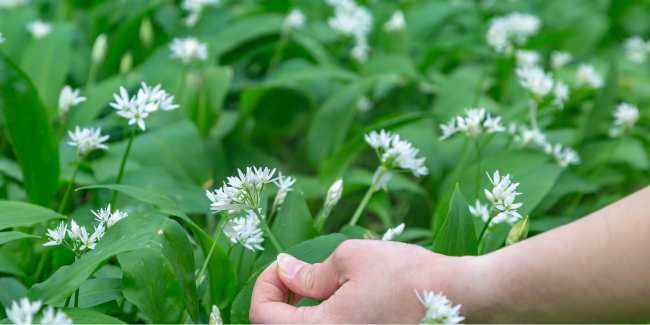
[(295, 19), (402, 155), (215, 316), (74, 232), (99, 231), (188, 50), (635, 49), (480, 210), (2, 40), (564, 157), (473, 125), (284, 184), (38, 28), (23, 312), (514, 28), (59, 319), (155, 98), (57, 235), (135, 114), (360, 50), (103, 215), (11, 4), (626, 115), (383, 181), (512, 128), (561, 94), (115, 217), (99, 48), (525, 58), (69, 98), (364, 104), (527, 136), (535, 80), (503, 195), (334, 194), (355, 21), (245, 230), (396, 22), (379, 140), (439, 309), (448, 129), (87, 240), (87, 140), (243, 192), (586, 76), (195, 7), (123, 102), (560, 59), (392, 233)]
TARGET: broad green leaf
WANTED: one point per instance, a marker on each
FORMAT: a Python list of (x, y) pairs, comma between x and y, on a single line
[(330, 125), (312, 251), (97, 291), (600, 117), (628, 150), (496, 238), (6, 236), (132, 233), (9, 263), (390, 64), (10, 290), (148, 282), (314, 48), (11, 169), (457, 237), (28, 124), (15, 214), (244, 31), (12, 25), (206, 97), (460, 92), (88, 316), (46, 62)]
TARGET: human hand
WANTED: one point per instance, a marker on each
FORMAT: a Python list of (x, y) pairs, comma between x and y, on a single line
[(364, 281)]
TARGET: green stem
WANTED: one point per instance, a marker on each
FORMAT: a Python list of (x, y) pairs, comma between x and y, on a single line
[(67, 301), (41, 265), (269, 220), (478, 169), (61, 128), (76, 298), (277, 55), (268, 231), (121, 171), (532, 113), (366, 198), (201, 116), (241, 259), (181, 84), (493, 213), (319, 222), (69, 189), (207, 258), (92, 74)]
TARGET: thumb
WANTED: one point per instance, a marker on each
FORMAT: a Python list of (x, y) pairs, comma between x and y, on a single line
[(317, 281)]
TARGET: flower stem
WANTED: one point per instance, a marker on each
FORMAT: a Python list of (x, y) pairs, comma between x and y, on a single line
[(478, 169), (207, 258), (269, 220), (277, 55), (121, 171), (532, 112), (241, 259), (92, 74), (366, 198), (61, 128), (76, 298), (69, 189), (268, 231), (493, 213), (67, 301)]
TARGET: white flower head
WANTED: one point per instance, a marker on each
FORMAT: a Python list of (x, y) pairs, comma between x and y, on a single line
[(12, 4), (2, 40), (295, 19), (242, 192), (515, 28), (215, 316), (586, 76), (245, 230), (528, 136), (115, 217), (396, 22), (526, 58), (635, 49), (38, 28), (60, 318), (480, 210), (99, 48), (354, 21), (135, 114), (74, 232), (334, 194), (560, 94), (195, 8), (69, 98), (57, 235), (123, 101), (559, 59), (87, 140), (103, 215), (448, 129), (188, 50), (364, 104), (503, 195), (23, 312), (565, 157), (379, 140), (475, 123), (439, 309), (626, 115), (382, 183), (155, 98), (87, 241), (535, 80), (401, 154), (360, 50), (284, 184), (392, 233)]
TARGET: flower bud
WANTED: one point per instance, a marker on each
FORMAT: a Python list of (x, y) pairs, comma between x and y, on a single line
[(99, 48), (334, 194), (146, 32), (126, 63), (215, 316), (518, 232)]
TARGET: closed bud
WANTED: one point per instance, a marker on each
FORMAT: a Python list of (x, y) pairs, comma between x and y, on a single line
[(334, 194), (126, 63), (519, 232), (146, 32), (99, 48)]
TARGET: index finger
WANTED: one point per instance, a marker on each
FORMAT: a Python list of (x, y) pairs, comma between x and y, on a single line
[(268, 303)]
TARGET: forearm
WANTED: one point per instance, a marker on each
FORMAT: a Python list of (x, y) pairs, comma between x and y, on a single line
[(596, 269)]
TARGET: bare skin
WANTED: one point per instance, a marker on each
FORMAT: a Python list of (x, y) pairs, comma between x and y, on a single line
[(594, 270)]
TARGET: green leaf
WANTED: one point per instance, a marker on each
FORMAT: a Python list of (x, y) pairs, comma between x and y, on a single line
[(519, 232), (207, 97), (496, 238), (244, 31), (12, 235), (11, 169), (312, 251), (600, 116), (132, 233), (97, 291), (46, 62), (10, 290), (88, 316), (148, 282), (9, 263), (15, 214), (460, 92), (457, 237), (314, 48), (32, 136)]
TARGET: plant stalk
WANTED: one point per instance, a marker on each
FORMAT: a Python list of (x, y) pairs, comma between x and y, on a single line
[(241, 259), (493, 213), (268, 231), (207, 258), (279, 49), (478, 170), (68, 189), (366, 198), (76, 298), (532, 113), (92, 74), (121, 171)]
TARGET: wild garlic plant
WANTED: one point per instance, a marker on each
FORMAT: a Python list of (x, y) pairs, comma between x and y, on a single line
[(354, 21), (439, 309), (502, 199), (284, 184), (332, 197), (24, 312)]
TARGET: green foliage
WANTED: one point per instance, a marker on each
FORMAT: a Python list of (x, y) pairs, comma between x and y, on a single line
[(457, 237), (16, 214)]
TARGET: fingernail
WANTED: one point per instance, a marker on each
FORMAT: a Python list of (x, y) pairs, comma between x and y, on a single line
[(289, 264)]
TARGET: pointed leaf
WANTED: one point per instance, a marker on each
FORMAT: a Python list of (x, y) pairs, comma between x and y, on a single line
[(457, 237), (6, 236), (16, 214)]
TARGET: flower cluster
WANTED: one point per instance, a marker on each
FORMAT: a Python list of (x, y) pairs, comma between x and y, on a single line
[(23, 313), (295, 19), (560, 59), (352, 20), (242, 192), (439, 309), (483, 212), (80, 239), (38, 28), (636, 49), (565, 157), (396, 22), (526, 58), (87, 140), (69, 98), (587, 76), (525, 136), (188, 50), (625, 116), (515, 28), (392, 233), (147, 102), (503, 196), (535, 80), (215, 316), (11, 4), (473, 125), (195, 8), (395, 153), (284, 184), (245, 230)]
